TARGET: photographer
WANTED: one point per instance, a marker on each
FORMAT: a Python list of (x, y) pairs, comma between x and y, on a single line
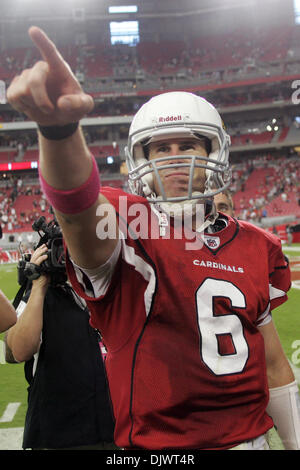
[(68, 400)]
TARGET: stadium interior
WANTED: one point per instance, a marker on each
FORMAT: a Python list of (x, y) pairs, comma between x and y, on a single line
[(247, 64), (241, 55)]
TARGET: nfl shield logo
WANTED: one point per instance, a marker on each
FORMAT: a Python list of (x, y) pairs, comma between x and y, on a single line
[(212, 242)]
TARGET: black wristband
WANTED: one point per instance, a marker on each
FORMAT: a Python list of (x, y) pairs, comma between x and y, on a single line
[(58, 132)]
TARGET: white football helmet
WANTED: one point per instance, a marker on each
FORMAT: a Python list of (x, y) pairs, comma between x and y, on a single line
[(175, 115)]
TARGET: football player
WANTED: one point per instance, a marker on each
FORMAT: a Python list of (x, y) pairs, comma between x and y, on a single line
[(224, 203), (194, 360)]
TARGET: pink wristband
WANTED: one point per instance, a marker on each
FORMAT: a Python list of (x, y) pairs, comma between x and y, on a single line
[(74, 201)]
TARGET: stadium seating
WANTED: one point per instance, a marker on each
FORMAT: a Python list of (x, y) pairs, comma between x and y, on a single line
[(234, 54), (269, 191), (250, 138), (31, 154), (240, 49), (278, 207)]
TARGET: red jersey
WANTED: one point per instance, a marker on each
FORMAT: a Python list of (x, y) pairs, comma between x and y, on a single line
[(185, 361)]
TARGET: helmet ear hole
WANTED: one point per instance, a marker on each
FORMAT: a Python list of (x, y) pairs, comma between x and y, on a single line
[(207, 142), (146, 150)]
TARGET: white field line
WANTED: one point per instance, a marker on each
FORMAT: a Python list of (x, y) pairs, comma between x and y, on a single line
[(11, 438), (9, 412)]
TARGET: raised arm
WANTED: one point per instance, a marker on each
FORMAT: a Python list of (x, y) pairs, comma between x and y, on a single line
[(50, 95)]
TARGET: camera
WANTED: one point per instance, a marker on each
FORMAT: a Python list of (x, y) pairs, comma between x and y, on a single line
[(55, 265)]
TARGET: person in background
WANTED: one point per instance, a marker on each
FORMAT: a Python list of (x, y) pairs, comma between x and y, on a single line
[(289, 234), (224, 202), (68, 398)]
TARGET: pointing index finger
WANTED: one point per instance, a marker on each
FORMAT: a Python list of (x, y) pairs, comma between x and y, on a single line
[(46, 47)]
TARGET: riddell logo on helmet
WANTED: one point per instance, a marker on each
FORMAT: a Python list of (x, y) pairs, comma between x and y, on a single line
[(170, 119)]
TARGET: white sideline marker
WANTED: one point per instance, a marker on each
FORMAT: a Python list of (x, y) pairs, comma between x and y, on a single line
[(9, 412), (11, 439)]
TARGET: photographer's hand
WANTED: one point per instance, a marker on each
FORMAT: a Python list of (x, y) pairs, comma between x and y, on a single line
[(37, 258)]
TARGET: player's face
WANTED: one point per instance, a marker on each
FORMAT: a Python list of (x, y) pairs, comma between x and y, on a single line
[(176, 180), (223, 204)]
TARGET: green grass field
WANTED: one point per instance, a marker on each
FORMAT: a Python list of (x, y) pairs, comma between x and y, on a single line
[(14, 387)]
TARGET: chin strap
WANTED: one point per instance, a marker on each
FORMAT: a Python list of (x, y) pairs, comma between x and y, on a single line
[(187, 208), (209, 220)]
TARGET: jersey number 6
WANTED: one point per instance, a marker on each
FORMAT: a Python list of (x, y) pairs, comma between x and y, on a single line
[(212, 326)]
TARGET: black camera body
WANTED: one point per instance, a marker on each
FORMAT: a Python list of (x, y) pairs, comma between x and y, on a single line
[(54, 265)]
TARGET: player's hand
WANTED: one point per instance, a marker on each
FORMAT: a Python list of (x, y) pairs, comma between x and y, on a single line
[(40, 255), (49, 93)]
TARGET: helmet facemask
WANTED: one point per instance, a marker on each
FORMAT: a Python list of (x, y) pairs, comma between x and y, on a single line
[(142, 171)]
